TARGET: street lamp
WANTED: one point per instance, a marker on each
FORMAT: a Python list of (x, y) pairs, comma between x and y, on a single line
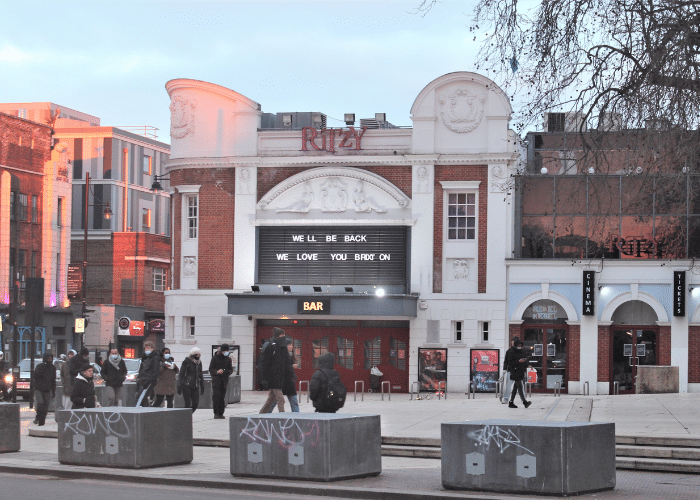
[(107, 214), (155, 186)]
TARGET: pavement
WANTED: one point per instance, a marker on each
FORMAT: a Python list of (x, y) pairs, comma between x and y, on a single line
[(659, 415)]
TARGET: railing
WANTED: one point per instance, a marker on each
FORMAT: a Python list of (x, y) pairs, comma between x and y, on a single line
[(414, 383), (471, 390), (557, 389), (388, 385), (616, 388), (586, 389), (307, 388), (442, 383), (363, 389)]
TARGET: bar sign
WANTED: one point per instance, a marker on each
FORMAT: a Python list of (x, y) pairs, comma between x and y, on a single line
[(679, 293), (588, 293)]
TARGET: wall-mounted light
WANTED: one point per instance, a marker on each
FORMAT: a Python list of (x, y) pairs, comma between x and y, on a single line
[(155, 186), (380, 117), (348, 289), (107, 212), (255, 288), (287, 120), (318, 289), (380, 292), (349, 119), (286, 288)]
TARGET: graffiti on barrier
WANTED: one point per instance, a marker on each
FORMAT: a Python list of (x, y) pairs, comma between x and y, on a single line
[(286, 433), (501, 438)]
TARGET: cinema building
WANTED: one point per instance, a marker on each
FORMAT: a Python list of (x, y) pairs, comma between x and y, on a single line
[(384, 245)]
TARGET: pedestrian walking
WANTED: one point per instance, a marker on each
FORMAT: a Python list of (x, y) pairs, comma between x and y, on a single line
[(114, 374), (148, 374), (510, 358), (275, 359), (190, 382), (289, 389), (44, 387), (67, 382), (76, 362), (518, 368), (326, 389), (220, 369), (167, 376), (83, 395)]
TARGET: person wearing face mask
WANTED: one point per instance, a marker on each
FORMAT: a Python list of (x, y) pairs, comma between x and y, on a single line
[(220, 369), (114, 374), (83, 395), (518, 367), (190, 382), (148, 374), (165, 387)]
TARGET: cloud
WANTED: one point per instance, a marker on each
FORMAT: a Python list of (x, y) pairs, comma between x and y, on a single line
[(11, 54)]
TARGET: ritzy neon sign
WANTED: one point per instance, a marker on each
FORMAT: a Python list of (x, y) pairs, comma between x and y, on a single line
[(331, 139)]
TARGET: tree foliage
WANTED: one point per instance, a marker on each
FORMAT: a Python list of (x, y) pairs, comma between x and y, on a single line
[(623, 63)]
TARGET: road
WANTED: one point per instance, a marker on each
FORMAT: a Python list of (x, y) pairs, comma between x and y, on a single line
[(51, 488)]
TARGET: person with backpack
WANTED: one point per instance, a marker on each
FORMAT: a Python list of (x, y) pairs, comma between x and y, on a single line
[(326, 389), (275, 360)]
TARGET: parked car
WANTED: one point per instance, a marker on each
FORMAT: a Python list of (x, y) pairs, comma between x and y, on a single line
[(25, 376)]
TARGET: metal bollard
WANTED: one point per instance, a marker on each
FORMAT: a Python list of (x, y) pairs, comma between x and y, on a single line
[(616, 388), (415, 382), (388, 384), (443, 383), (499, 389), (586, 389), (471, 390), (557, 389), (307, 388), (363, 389), (528, 389)]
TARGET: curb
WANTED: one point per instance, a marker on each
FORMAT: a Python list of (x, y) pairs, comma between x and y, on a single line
[(325, 489)]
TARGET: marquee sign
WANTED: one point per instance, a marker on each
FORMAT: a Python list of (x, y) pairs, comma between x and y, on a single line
[(588, 293), (332, 255), (328, 139), (314, 306)]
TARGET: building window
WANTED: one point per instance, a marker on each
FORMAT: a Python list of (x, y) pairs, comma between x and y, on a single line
[(35, 209), (58, 272), (22, 112), (189, 326), (458, 331), (146, 217), (160, 276), (461, 216), (22, 269), (59, 212), (373, 352), (485, 331), (556, 122), (23, 207), (192, 217), (12, 205), (34, 274), (345, 352), (148, 165)]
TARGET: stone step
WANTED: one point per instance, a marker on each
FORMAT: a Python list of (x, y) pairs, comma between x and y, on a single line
[(410, 451), (658, 464), (622, 450), (674, 441), (411, 441)]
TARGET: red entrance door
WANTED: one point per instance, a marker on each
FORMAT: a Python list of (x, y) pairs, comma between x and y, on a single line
[(357, 349)]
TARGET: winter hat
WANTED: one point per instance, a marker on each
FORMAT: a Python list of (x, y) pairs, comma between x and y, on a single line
[(72, 351), (85, 367), (278, 332), (195, 350), (517, 342), (84, 351), (224, 347)]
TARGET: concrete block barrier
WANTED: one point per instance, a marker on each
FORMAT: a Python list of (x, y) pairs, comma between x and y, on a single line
[(128, 394), (126, 437), (309, 446), (9, 427), (205, 402), (520, 456)]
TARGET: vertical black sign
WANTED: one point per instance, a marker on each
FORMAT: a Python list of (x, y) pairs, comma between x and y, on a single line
[(679, 293), (588, 293)]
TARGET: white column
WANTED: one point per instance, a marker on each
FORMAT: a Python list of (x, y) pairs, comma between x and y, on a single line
[(423, 208), (243, 229)]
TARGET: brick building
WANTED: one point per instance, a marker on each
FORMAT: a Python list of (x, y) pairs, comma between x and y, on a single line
[(128, 254), (384, 245), (34, 227)]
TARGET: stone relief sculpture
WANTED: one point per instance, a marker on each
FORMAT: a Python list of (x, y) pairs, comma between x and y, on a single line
[(334, 196), (189, 266), (462, 111), (364, 203), (182, 116), (460, 269), (244, 182), (303, 204), (501, 182), (422, 180)]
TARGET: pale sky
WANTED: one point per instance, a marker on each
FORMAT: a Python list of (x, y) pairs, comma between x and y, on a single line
[(111, 59)]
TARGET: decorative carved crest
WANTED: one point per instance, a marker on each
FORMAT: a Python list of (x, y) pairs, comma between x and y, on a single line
[(182, 116), (462, 111)]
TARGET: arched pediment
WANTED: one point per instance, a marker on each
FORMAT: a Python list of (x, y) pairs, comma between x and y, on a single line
[(647, 298), (338, 192), (560, 299)]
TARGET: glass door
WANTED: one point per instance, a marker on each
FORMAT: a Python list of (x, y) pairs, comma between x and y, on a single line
[(546, 348), (631, 347)]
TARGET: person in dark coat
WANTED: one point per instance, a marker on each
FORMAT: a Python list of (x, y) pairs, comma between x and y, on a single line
[(83, 395), (220, 369), (274, 369), (289, 389), (518, 367), (67, 381), (190, 382), (510, 358), (319, 381), (44, 387), (148, 374), (76, 362), (114, 374), (165, 387)]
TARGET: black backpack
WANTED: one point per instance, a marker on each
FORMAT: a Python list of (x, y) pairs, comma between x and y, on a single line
[(334, 397)]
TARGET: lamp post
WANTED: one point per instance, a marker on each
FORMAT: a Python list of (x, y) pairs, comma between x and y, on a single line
[(107, 214)]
